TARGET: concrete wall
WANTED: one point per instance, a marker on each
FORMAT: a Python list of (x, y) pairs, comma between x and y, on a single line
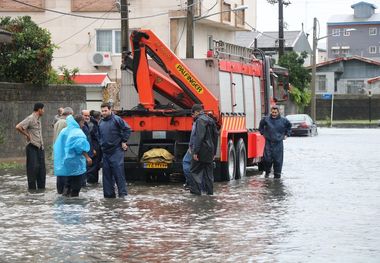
[(348, 107), (17, 101)]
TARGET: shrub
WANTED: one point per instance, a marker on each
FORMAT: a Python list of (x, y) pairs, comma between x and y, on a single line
[(28, 58)]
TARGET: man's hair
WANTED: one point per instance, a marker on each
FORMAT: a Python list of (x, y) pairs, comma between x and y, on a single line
[(38, 106), (78, 118), (96, 114), (67, 111), (275, 107), (106, 104), (196, 107)]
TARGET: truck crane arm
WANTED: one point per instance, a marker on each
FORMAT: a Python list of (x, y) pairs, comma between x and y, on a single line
[(164, 85), (145, 42)]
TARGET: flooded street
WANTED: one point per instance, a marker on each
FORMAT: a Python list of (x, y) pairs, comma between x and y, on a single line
[(326, 208)]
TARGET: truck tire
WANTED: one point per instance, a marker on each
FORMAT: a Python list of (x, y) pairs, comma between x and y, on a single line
[(241, 159), (229, 167)]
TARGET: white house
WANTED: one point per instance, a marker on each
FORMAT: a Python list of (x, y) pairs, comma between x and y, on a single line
[(87, 32)]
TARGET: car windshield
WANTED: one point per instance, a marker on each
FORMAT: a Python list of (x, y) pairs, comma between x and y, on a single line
[(296, 117)]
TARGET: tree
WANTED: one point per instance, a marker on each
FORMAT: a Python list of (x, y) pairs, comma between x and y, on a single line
[(299, 77), (28, 58), (66, 76)]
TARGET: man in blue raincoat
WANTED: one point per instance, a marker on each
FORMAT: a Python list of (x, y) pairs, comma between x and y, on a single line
[(114, 134), (70, 156), (275, 129)]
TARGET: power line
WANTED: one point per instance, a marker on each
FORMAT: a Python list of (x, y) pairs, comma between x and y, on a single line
[(57, 17), (76, 33), (180, 38), (89, 17), (80, 49)]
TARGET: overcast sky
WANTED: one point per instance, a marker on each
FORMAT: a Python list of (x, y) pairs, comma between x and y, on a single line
[(303, 11)]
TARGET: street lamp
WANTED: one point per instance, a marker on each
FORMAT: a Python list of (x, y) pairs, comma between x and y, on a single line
[(314, 67)]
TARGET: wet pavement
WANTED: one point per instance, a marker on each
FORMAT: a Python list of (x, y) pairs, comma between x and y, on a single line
[(326, 208)]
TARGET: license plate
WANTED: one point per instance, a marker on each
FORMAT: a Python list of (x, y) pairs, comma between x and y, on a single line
[(156, 165)]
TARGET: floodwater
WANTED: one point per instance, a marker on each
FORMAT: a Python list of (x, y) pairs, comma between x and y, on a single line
[(326, 208)]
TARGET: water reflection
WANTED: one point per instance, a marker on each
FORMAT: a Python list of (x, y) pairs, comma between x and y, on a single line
[(255, 219), (69, 211)]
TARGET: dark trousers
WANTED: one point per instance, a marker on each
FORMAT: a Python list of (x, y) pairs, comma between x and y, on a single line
[(274, 155), (186, 165), (60, 184), (92, 173), (72, 186), (69, 185), (202, 178), (113, 172), (35, 167)]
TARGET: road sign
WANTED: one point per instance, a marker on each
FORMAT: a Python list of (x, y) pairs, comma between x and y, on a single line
[(327, 96)]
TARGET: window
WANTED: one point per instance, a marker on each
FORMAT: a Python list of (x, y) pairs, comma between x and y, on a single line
[(346, 33), (108, 41), (354, 86), (336, 32), (226, 15), (372, 49), (321, 80), (240, 15), (335, 51), (372, 31), (345, 51)]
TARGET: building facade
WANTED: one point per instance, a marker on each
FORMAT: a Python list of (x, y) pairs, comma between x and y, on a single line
[(348, 75), (355, 34), (88, 32)]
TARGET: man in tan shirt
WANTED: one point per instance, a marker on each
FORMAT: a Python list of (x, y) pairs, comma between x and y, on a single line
[(35, 154), (61, 123)]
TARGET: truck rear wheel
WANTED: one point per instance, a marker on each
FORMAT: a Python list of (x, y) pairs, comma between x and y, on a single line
[(241, 159), (229, 167)]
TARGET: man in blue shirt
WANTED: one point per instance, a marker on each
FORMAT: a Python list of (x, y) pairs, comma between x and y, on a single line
[(275, 129), (114, 134)]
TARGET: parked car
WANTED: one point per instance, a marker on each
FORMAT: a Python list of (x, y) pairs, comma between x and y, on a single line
[(302, 124)]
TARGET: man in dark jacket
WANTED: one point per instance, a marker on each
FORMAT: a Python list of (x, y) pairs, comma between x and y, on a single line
[(275, 129), (93, 125), (114, 134), (86, 130), (203, 149)]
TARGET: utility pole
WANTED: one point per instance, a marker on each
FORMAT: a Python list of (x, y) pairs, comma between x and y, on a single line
[(190, 29), (124, 31), (313, 72), (281, 40), (280, 28), (126, 77)]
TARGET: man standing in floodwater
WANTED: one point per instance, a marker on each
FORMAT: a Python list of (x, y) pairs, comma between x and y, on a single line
[(114, 134), (203, 142), (275, 129), (70, 156), (35, 153)]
